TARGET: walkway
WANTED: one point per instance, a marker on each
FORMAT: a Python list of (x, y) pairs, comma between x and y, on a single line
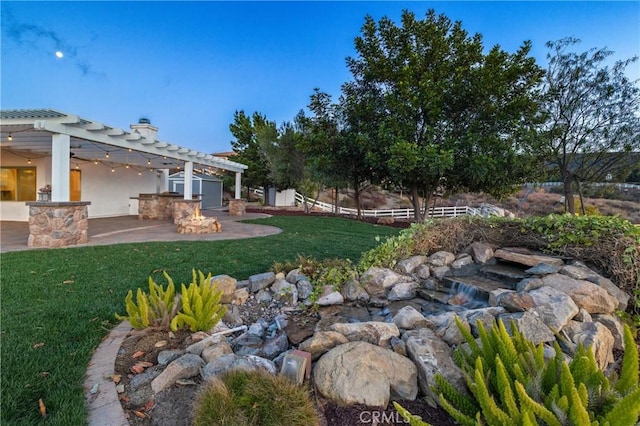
[(129, 229)]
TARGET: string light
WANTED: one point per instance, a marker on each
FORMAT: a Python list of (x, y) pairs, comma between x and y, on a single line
[(29, 161), (95, 161), (113, 170), (107, 154), (77, 167), (10, 137), (127, 166), (130, 150), (139, 173), (149, 162)]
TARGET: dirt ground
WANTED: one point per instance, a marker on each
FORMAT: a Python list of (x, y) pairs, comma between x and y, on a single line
[(173, 407)]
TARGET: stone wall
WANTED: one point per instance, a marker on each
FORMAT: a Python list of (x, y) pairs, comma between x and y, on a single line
[(183, 209), (158, 206), (58, 224)]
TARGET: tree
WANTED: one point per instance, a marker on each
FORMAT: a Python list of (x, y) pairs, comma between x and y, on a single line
[(592, 115), (438, 111), (246, 129)]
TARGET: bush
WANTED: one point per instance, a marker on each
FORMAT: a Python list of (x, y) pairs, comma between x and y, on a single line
[(154, 310), (511, 382), (200, 307), (241, 398)]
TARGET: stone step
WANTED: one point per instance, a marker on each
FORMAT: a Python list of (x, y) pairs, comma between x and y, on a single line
[(507, 273), (473, 287), (434, 295)]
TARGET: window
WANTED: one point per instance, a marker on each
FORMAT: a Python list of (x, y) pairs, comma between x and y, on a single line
[(18, 183)]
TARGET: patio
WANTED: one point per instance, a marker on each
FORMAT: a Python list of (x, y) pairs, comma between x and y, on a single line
[(129, 229)]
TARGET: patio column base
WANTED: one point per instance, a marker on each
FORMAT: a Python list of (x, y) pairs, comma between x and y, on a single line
[(58, 224), (237, 207)]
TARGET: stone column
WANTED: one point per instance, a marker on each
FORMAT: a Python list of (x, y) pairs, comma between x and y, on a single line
[(60, 149), (58, 224), (238, 184), (237, 207)]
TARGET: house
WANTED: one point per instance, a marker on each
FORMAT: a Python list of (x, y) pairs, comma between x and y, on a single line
[(55, 160)]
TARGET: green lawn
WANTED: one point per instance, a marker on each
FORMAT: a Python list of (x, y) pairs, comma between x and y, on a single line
[(57, 305)]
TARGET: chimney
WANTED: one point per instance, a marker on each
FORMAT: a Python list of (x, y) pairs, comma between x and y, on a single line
[(145, 129)]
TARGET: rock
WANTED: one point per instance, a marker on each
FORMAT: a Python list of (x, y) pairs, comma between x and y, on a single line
[(614, 325), (295, 275), (442, 258), (322, 342), (480, 252), (529, 284), (329, 297), (143, 379), (377, 333), (185, 367), (240, 296), (354, 314), (496, 295), (166, 356), (259, 281), (264, 296), (284, 291), (407, 266), (253, 363), (422, 272), (403, 291), (376, 281), (530, 325), (398, 346), (258, 328), (583, 316), (593, 298), (247, 344), (621, 296), (553, 307), (274, 346), (198, 347), (593, 335), (516, 302), (439, 272), (409, 318), (232, 316), (227, 285), (217, 350), (218, 366), (296, 333), (385, 220), (431, 355), (362, 373), (305, 288), (527, 259), (486, 316), (461, 261), (242, 284), (543, 269), (446, 328), (354, 292), (579, 272)]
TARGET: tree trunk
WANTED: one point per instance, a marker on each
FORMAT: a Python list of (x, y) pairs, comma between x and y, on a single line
[(584, 211), (567, 179), (356, 196), (336, 194), (415, 201)]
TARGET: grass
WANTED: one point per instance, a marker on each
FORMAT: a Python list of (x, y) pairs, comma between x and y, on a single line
[(57, 305)]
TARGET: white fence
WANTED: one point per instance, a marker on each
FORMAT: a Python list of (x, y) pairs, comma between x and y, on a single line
[(617, 185), (483, 210)]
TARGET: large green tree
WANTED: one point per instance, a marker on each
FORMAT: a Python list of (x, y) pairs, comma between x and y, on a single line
[(438, 111), (592, 116), (245, 130)]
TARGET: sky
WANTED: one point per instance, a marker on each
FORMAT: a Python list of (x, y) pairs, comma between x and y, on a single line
[(188, 66)]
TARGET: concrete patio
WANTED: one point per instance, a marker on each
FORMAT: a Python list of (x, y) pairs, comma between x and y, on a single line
[(129, 229)]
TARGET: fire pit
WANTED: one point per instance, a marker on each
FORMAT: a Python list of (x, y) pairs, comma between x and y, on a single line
[(196, 223)]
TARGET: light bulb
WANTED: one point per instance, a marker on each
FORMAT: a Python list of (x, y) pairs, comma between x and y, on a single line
[(107, 154), (29, 161), (113, 170), (10, 137), (127, 166), (139, 173), (95, 161), (149, 162)]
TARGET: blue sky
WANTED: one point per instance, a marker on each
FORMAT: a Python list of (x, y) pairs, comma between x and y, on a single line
[(188, 66)]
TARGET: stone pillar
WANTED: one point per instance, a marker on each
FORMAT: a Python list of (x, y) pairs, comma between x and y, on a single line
[(60, 164), (237, 207), (58, 224), (188, 180), (238, 185)]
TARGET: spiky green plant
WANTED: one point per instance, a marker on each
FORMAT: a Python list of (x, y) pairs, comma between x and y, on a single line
[(510, 383), (156, 309), (200, 307), (408, 417)]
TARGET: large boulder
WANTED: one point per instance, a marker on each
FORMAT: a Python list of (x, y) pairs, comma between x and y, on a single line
[(595, 336), (409, 318), (527, 259), (593, 298), (374, 332), (322, 342), (354, 292), (555, 308), (377, 281), (530, 325), (406, 266), (442, 258), (227, 285), (431, 356), (362, 373), (403, 291)]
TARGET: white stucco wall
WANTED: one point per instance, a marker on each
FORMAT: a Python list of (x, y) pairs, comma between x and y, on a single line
[(109, 192)]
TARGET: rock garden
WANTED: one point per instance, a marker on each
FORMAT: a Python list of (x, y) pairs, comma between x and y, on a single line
[(398, 326)]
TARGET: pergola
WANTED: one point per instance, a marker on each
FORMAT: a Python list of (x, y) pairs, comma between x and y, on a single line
[(69, 139)]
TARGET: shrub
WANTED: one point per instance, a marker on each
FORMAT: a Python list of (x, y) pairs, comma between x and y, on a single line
[(510, 382), (408, 417), (242, 398), (154, 310), (200, 307)]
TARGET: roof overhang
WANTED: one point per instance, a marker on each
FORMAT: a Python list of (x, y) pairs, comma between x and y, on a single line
[(28, 133)]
